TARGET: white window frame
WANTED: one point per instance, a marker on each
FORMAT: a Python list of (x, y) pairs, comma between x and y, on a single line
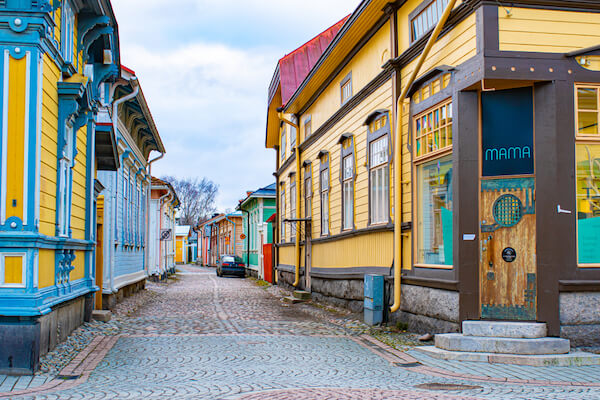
[(379, 181), (68, 32), (283, 143), (23, 271), (66, 182), (292, 211), (282, 215), (324, 177), (293, 135), (308, 197), (348, 192)]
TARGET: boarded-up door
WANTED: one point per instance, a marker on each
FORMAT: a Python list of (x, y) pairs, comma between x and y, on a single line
[(507, 206)]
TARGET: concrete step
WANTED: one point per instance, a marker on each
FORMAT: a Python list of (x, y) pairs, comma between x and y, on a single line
[(478, 344), (518, 330), (301, 294), (101, 315), (292, 300), (579, 358)]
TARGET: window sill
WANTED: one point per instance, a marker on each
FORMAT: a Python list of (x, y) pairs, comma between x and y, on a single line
[(434, 266)]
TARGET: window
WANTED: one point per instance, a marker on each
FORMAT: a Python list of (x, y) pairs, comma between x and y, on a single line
[(308, 192), (434, 212), (588, 111), (427, 18), (325, 200), (346, 88), (379, 180), (587, 152), (348, 191), (307, 127), (293, 209), (66, 182), (432, 88), (282, 206), (282, 147), (68, 29), (293, 135), (125, 205), (433, 131)]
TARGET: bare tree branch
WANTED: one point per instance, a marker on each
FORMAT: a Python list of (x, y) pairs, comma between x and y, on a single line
[(197, 197)]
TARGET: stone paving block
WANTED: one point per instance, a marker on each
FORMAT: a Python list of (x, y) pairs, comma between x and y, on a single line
[(101, 315)]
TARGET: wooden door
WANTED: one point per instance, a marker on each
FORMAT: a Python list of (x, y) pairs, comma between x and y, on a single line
[(99, 251), (507, 267)]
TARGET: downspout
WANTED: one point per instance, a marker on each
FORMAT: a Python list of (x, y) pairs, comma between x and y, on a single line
[(298, 198), (115, 118), (398, 157)]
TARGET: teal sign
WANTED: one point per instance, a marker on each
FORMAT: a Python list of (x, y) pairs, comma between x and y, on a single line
[(507, 132)]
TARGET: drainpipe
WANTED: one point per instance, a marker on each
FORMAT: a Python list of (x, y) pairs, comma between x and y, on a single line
[(115, 117), (298, 198), (398, 158)]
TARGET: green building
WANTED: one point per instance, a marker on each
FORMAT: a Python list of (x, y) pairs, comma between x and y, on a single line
[(257, 208)]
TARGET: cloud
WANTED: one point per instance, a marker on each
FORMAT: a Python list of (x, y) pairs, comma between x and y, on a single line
[(205, 69)]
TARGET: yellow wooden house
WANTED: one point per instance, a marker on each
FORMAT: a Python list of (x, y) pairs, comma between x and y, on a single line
[(55, 55), (447, 165)]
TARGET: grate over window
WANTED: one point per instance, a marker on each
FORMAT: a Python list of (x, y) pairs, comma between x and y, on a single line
[(508, 210)]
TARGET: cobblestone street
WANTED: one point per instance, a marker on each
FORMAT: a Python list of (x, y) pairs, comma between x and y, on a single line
[(205, 337)]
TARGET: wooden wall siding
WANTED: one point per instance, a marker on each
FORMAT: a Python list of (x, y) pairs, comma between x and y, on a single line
[(58, 24), (46, 269), (287, 256), (373, 250), (15, 141), (79, 264), (49, 148), (547, 31), (353, 123), (365, 66), (79, 182)]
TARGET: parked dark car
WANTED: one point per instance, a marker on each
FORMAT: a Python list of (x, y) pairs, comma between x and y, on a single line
[(231, 265)]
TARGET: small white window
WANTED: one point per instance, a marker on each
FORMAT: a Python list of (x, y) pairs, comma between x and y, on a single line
[(325, 201), (379, 181), (66, 183), (282, 147), (68, 31), (292, 136), (348, 191)]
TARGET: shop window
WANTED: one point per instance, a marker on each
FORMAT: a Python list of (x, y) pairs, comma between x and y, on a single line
[(433, 131), (588, 111), (434, 230), (588, 204), (427, 18), (346, 88)]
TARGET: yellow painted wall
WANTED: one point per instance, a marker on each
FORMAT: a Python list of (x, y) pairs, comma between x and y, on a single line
[(47, 267), (13, 270), (372, 250), (49, 148), (78, 214), (287, 255), (365, 66), (79, 264), (547, 31), (16, 139)]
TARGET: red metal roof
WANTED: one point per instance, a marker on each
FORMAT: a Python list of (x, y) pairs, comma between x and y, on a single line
[(294, 67)]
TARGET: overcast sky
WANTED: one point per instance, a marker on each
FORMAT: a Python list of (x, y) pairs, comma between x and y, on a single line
[(205, 67)]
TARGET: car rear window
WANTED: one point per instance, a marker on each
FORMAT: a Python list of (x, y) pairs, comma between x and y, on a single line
[(228, 259)]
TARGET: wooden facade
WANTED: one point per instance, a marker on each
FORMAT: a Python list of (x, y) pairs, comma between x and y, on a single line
[(490, 205)]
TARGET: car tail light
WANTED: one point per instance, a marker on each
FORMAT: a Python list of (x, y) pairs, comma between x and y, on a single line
[(226, 264), (242, 265)]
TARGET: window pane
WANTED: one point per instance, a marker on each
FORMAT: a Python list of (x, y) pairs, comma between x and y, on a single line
[(588, 123), (434, 212), (348, 167), (587, 99), (588, 203)]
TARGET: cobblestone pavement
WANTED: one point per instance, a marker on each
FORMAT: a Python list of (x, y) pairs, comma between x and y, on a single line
[(204, 337)]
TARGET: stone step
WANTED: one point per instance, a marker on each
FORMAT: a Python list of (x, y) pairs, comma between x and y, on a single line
[(579, 358), (101, 315), (292, 300), (504, 329), (478, 344), (301, 294)]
